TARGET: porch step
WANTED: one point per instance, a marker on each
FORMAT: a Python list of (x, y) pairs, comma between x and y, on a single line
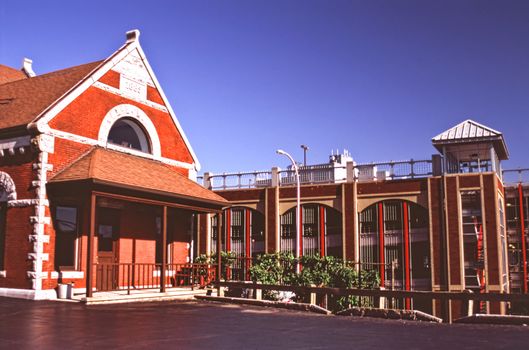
[(142, 296)]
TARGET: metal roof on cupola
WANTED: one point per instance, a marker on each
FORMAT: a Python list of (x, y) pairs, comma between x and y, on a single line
[(471, 132)]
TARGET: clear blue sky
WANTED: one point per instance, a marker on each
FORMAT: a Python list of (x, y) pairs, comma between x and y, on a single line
[(379, 78)]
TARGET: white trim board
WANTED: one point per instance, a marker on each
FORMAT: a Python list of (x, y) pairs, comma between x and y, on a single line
[(42, 120)]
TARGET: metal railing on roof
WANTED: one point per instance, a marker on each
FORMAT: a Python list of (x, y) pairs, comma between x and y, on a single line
[(320, 174), (515, 176)]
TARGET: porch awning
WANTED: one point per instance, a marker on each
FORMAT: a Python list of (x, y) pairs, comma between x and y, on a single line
[(116, 169)]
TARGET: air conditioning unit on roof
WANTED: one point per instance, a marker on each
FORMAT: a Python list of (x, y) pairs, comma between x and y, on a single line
[(367, 173)]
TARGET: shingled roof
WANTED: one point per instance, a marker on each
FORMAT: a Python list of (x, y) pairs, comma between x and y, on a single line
[(23, 100), (123, 170), (8, 74)]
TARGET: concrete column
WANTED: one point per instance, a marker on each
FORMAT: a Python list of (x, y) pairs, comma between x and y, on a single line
[(207, 180)]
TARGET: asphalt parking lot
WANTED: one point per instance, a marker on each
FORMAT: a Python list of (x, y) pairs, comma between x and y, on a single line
[(205, 325)]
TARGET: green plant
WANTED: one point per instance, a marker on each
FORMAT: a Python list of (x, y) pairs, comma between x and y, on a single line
[(278, 268), (328, 271), (227, 260)]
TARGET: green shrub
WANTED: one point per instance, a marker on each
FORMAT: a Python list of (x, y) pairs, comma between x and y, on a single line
[(278, 268), (227, 259), (328, 271)]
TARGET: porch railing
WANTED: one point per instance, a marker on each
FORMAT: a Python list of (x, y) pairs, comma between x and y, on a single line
[(138, 276)]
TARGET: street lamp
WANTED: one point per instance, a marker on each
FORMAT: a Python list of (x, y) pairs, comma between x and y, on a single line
[(305, 149), (298, 198)]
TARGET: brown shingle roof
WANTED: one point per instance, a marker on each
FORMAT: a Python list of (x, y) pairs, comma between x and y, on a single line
[(8, 74), (21, 101), (121, 169)]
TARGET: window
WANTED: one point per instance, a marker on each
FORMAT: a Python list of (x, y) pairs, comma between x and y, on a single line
[(238, 231), (66, 237), (127, 133), (311, 230), (503, 241), (473, 253), (288, 231), (214, 233), (257, 233)]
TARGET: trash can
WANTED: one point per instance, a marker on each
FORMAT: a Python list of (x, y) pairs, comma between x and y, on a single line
[(65, 291)]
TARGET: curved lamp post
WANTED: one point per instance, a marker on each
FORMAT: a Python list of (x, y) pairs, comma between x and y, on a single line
[(298, 229)]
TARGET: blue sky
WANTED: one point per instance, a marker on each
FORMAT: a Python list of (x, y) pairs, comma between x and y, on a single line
[(379, 78)]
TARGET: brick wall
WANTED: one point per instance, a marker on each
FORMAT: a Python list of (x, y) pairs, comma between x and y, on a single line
[(436, 217), (17, 247), (271, 220), (18, 227), (350, 220), (84, 116), (454, 246)]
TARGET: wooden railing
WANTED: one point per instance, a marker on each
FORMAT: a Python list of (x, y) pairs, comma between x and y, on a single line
[(137, 276), (466, 298)]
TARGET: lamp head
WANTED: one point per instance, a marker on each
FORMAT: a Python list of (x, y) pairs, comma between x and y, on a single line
[(280, 151)]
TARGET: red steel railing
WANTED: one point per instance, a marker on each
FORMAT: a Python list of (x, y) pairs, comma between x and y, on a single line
[(137, 276)]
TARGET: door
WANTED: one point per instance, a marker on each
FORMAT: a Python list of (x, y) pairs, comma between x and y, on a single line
[(107, 249)]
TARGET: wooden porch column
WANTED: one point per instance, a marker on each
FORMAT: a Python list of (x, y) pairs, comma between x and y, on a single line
[(219, 248), (164, 249), (90, 244)]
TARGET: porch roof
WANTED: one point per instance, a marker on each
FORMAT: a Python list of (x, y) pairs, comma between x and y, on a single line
[(107, 167)]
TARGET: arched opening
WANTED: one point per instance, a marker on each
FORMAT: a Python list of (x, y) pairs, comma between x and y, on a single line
[(394, 240), (243, 235), (7, 193), (126, 132), (244, 230), (322, 231)]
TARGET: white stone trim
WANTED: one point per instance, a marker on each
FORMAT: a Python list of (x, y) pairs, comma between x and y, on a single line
[(133, 112), (88, 141), (168, 105), (46, 294), (192, 175), (49, 167), (15, 143), (2, 274), (8, 191), (67, 274), (20, 203), (39, 221), (121, 93), (41, 122)]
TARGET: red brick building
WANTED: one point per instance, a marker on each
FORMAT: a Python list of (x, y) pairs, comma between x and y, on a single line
[(441, 221), (94, 169)]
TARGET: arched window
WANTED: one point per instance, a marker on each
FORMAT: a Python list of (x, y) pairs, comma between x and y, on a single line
[(245, 232), (322, 231), (128, 133), (401, 227)]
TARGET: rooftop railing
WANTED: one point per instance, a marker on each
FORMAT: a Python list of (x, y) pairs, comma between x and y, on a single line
[(320, 174), (515, 176)]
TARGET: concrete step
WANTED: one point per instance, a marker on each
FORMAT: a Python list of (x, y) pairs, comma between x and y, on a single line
[(115, 298)]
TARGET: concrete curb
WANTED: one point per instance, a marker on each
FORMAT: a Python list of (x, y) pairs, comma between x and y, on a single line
[(394, 314), (267, 303), (495, 319), (139, 298)]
